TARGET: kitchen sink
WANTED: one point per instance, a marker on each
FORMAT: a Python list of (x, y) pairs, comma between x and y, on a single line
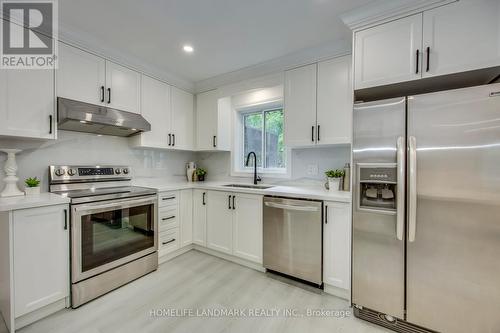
[(256, 187)]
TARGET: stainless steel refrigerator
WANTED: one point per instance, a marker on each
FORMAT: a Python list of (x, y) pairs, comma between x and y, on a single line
[(426, 211)]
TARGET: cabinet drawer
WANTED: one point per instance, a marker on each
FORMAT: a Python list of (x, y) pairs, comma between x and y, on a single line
[(169, 240), (167, 199)]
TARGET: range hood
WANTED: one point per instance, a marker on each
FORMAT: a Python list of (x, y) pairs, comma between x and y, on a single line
[(89, 118)]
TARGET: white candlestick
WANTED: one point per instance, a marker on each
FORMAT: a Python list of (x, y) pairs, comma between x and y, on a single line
[(10, 168)]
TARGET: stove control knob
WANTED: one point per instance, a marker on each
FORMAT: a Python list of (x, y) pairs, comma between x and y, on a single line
[(71, 172), (118, 171), (125, 171), (60, 172)]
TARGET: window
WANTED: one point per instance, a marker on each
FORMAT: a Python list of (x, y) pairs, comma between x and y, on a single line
[(263, 134)]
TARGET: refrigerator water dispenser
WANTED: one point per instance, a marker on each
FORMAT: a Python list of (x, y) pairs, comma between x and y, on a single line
[(377, 187)]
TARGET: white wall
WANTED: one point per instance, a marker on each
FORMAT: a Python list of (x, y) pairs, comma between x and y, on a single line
[(89, 149)]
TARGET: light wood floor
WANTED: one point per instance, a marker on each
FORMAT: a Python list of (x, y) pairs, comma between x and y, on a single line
[(194, 281)]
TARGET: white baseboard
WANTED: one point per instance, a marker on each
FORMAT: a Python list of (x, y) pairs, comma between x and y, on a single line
[(231, 258), (43, 312), (336, 291), (164, 257)]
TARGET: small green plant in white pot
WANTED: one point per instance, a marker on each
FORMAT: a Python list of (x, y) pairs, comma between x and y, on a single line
[(334, 177), (32, 186), (200, 174)]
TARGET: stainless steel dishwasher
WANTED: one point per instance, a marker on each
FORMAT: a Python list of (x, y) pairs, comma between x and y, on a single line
[(293, 237)]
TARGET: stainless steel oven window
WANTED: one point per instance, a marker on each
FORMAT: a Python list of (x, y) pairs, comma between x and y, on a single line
[(111, 233)]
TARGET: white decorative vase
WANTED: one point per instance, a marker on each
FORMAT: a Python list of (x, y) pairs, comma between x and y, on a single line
[(190, 169), (32, 190), (10, 168), (334, 184)]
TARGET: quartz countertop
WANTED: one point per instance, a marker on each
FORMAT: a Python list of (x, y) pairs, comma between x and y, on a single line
[(31, 201), (315, 192)]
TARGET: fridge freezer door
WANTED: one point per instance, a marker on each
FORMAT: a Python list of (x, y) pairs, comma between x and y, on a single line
[(378, 254), (453, 255)]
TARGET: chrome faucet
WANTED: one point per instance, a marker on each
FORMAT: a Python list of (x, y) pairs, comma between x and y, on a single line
[(256, 178)]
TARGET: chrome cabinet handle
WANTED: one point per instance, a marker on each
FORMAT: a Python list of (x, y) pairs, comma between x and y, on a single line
[(400, 204), (169, 241), (412, 214)]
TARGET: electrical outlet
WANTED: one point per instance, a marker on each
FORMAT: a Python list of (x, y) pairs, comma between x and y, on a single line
[(312, 169)]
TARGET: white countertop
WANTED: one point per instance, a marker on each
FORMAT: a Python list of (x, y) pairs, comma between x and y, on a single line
[(316, 192), (31, 201)]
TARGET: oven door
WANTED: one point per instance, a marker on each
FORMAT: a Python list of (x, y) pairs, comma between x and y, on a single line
[(111, 233)]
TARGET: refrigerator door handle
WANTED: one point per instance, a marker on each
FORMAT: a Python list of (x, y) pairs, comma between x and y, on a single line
[(400, 208), (412, 214)]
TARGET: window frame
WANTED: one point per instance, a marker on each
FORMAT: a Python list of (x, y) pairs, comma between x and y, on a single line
[(238, 159)]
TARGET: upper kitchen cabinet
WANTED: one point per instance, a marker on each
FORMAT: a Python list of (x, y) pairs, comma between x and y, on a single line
[(335, 98), (85, 77), (123, 88), (212, 122), (461, 36), (457, 37), (156, 109), (182, 130), (318, 103), (388, 53), (300, 106), (81, 75), (27, 103)]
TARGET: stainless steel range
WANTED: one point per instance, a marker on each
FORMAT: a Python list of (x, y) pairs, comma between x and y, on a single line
[(113, 228)]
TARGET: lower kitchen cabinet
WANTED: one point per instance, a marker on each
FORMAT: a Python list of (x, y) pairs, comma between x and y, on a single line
[(337, 247), (34, 263), (220, 221), (200, 217), (247, 227), (186, 217)]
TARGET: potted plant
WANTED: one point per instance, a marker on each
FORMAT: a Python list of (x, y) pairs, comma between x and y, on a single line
[(200, 174), (32, 186), (334, 177)]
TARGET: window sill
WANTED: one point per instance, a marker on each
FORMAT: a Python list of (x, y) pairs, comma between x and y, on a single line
[(263, 174)]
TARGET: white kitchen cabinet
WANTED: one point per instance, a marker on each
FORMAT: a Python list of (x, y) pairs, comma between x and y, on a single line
[(337, 245), (247, 227), (182, 129), (461, 36), (200, 217), (387, 53), (41, 263), (318, 103), (212, 124), (220, 221), (81, 75), (123, 88), (156, 109), (334, 101), (300, 106), (186, 217), (27, 103)]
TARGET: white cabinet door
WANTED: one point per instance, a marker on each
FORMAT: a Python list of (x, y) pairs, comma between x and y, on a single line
[(200, 201), (41, 257), (247, 227), (461, 36), (27, 103), (186, 217), (220, 221), (182, 119), (155, 108), (206, 120), (123, 88), (300, 106), (335, 96), (387, 53), (81, 75), (337, 245)]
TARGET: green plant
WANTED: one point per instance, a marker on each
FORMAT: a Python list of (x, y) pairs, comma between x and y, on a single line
[(201, 172), (32, 182), (338, 173)]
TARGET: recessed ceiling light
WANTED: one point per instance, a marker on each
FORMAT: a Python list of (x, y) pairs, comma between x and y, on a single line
[(188, 48)]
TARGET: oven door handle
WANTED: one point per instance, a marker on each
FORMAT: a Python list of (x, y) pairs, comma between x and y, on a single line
[(104, 205)]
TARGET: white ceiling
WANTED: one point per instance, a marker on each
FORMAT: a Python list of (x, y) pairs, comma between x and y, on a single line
[(227, 34)]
